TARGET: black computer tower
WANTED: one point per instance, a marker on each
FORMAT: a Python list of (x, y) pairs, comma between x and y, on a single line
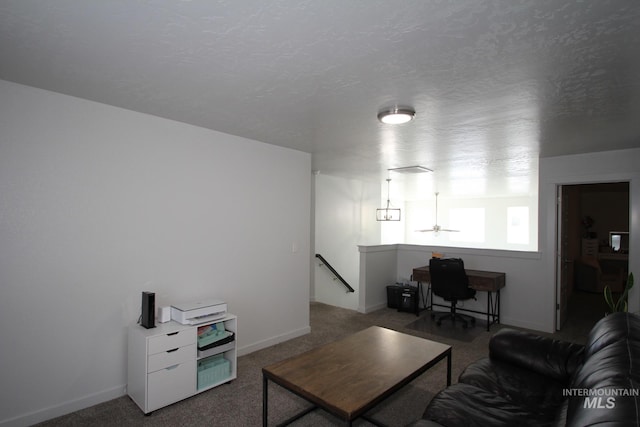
[(409, 300)]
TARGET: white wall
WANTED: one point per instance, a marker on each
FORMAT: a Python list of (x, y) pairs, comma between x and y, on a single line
[(378, 269), (98, 204), (344, 219)]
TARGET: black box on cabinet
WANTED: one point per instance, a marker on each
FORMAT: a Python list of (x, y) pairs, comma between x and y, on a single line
[(148, 319)]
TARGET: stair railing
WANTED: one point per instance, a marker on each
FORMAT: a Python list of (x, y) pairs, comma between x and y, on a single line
[(337, 276)]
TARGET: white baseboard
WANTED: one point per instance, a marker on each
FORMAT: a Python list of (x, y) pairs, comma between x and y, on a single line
[(518, 323), (372, 307), (64, 408), (273, 341)]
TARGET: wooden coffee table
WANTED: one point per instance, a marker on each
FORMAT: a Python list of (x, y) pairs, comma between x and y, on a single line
[(350, 376)]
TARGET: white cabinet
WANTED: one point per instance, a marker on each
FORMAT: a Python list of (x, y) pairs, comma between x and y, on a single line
[(590, 247), (165, 365)]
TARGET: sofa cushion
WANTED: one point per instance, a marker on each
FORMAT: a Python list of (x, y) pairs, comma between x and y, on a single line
[(610, 329), (605, 389), (549, 357), (465, 405), (519, 385)]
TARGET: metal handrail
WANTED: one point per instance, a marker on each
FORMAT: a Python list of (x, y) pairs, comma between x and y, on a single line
[(335, 273)]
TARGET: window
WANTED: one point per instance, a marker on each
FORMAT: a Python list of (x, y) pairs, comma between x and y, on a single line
[(469, 222), (518, 225)]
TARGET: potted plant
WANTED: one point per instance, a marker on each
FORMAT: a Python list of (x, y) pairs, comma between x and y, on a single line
[(587, 223), (621, 303)]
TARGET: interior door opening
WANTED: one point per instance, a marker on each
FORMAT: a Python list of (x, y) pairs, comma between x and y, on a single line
[(588, 253)]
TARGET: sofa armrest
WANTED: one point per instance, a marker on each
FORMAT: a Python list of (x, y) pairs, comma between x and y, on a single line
[(546, 356), (425, 423)]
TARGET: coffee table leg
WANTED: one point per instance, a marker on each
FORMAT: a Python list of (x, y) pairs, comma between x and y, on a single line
[(449, 368), (265, 400), (489, 300)]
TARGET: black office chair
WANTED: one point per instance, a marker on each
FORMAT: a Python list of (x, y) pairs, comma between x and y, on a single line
[(450, 282)]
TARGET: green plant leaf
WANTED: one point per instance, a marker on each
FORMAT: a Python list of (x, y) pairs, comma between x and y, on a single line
[(608, 298), (621, 304)]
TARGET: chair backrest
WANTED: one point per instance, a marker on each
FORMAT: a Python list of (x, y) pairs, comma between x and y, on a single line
[(449, 279)]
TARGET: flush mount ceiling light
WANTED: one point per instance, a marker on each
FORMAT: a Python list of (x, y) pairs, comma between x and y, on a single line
[(396, 115)]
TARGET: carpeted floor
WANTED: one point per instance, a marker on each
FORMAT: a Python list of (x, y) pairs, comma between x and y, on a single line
[(240, 402), (448, 329)]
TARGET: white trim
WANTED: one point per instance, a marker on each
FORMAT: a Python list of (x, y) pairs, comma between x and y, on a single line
[(64, 408), (247, 349)]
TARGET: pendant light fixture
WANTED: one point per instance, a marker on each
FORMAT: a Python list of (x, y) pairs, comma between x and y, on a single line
[(388, 213)]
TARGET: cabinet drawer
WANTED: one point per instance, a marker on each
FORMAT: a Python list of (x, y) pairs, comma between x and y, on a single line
[(162, 343), (171, 357), (170, 385)]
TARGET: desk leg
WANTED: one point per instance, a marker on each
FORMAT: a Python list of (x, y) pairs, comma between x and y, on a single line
[(265, 400), (493, 308), (497, 307)]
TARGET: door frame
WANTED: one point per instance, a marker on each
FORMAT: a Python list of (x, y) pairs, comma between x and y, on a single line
[(562, 297)]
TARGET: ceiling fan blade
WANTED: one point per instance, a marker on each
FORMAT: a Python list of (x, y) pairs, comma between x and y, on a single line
[(436, 228)]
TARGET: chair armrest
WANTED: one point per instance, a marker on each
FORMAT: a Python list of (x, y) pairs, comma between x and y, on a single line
[(547, 356)]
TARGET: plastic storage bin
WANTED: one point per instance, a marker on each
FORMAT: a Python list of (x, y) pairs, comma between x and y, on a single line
[(213, 370)]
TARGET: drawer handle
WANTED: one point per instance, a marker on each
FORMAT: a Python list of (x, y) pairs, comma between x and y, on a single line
[(173, 333), (172, 367), (172, 350)]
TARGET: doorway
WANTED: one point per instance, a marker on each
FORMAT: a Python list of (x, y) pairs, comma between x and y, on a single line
[(588, 215)]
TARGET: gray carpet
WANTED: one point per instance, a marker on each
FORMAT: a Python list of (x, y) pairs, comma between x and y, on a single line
[(448, 329), (240, 402)]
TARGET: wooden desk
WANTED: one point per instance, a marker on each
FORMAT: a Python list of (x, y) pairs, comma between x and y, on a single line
[(483, 281), (350, 376)]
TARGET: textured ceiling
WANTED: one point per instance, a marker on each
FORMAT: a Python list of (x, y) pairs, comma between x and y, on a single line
[(496, 84)]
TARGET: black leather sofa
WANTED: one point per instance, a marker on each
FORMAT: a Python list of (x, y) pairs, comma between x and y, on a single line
[(530, 380)]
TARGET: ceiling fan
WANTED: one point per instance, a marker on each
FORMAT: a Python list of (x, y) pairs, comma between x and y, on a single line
[(436, 228)]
